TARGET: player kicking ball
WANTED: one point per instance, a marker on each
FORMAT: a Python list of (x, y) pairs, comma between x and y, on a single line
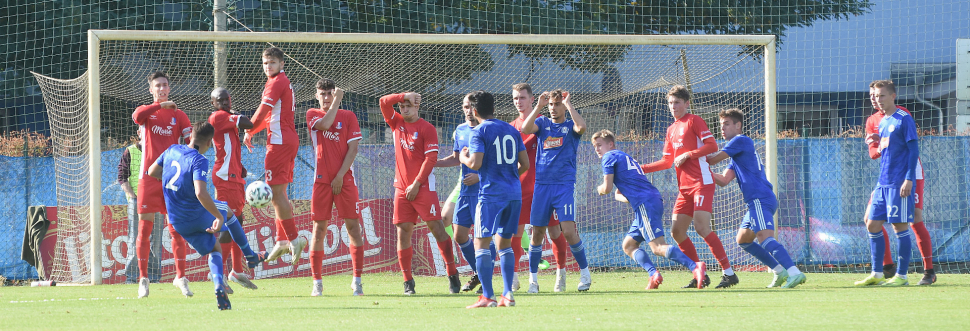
[(496, 151), (892, 199), (192, 212), (335, 134), (621, 169), (758, 195)]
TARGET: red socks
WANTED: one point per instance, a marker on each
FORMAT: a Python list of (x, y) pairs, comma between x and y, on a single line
[(924, 244), (887, 259), (143, 246), (289, 226), (687, 247), (404, 260), (559, 248), (357, 259), (718, 249), (448, 253), (517, 250), (316, 264), (280, 232), (179, 248)]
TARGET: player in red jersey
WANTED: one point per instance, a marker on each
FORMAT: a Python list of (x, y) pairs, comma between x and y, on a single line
[(276, 114), (415, 154), (922, 234), (229, 177), (688, 142), (523, 99), (335, 133), (162, 125)]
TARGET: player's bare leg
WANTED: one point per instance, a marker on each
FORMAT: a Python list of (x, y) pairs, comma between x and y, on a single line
[(535, 254), (288, 240), (437, 229), (405, 254), (925, 247)]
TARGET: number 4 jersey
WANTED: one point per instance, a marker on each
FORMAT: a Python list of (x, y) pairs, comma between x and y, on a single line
[(181, 166)]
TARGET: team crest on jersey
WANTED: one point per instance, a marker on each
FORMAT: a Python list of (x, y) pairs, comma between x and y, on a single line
[(682, 131), (415, 135), (173, 120), (892, 127), (339, 125), (153, 117), (563, 129), (552, 142)]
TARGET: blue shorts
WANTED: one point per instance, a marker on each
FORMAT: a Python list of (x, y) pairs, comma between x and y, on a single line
[(465, 211), (887, 205), (760, 216), (194, 230), (552, 198), (647, 222), (499, 217)]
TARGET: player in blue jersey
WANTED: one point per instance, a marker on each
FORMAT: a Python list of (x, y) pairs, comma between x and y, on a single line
[(555, 182), (184, 172), (746, 166), (892, 199), (463, 209), (496, 151), (632, 186)]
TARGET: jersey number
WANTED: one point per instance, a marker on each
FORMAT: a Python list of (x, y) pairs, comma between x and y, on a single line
[(433, 211), (893, 211), (171, 182), (632, 165), (504, 150), (699, 201)]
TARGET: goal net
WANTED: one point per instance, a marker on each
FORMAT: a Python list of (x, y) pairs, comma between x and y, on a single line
[(617, 82)]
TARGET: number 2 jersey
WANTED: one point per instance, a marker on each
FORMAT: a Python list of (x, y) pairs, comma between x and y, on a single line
[(181, 166)]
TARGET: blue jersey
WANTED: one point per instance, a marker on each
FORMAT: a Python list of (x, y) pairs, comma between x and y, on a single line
[(628, 177), (556, 160), (896, 131), (463, 134), (181, 166), (501, 144), (748, 168)]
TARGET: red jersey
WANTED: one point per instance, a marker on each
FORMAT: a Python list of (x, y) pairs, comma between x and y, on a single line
[(413, 142), (228, 166), (276, 112), (161, 128), (689, 134), (531, 142), (331, 146), (872, 126)]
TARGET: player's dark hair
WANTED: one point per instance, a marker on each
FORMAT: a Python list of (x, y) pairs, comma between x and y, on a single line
[(556, 94), (605, 135), (483, 102), (734, 114), (326, 84), (202, 130), (522, 87), (273, 52), (156, 75), (885, 83), (680, 92)]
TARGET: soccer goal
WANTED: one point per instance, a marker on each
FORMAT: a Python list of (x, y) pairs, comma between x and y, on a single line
[(617, 82)]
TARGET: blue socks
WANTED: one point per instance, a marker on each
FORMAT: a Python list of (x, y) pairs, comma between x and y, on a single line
[(468, 252), (878, 247), (579, 253), (643, 259), (905, 251), (778, 252), (674, 253), (486, 263), (535, 256), (491, 248), (760, 253), (238, 235), (215, 269), (507, 258)]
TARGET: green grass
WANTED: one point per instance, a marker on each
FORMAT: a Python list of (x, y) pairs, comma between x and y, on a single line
[(617, 301)]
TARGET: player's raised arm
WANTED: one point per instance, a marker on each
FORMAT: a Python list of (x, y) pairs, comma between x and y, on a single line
[(529, 124), (324, 123), (579, 124), (387, 103)]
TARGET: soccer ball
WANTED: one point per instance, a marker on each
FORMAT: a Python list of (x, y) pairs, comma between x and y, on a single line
[(258, 194)]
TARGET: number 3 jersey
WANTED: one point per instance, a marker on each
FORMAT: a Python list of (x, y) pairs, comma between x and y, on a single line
[(500, 143), (181, 166)]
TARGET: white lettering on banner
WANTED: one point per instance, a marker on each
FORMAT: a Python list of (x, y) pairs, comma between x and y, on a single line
[(439, 261), (370, 234), (268, 244), (334, 235), (158, 130)]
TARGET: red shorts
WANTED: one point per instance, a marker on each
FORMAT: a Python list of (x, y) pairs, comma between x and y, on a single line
[(919, 194), (323, 201), (695, 199), (150, 198), (279, 163), (233, 193), (425, 205)]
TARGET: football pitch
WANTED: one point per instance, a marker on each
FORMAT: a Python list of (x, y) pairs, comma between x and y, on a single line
[(616, 301)]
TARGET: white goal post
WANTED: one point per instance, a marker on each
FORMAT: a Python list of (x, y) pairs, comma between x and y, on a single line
[(95, 37)]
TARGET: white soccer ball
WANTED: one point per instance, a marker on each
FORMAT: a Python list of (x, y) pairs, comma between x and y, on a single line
[(258, 194)]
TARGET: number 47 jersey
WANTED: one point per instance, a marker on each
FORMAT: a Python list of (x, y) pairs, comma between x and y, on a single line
[(500, 143), (181, 166)]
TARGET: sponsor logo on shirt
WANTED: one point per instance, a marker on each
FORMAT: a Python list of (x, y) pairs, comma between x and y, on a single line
[(335, 136), (406, 144), (158, 130), (678, 145), (152, 117), (552, 142)]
